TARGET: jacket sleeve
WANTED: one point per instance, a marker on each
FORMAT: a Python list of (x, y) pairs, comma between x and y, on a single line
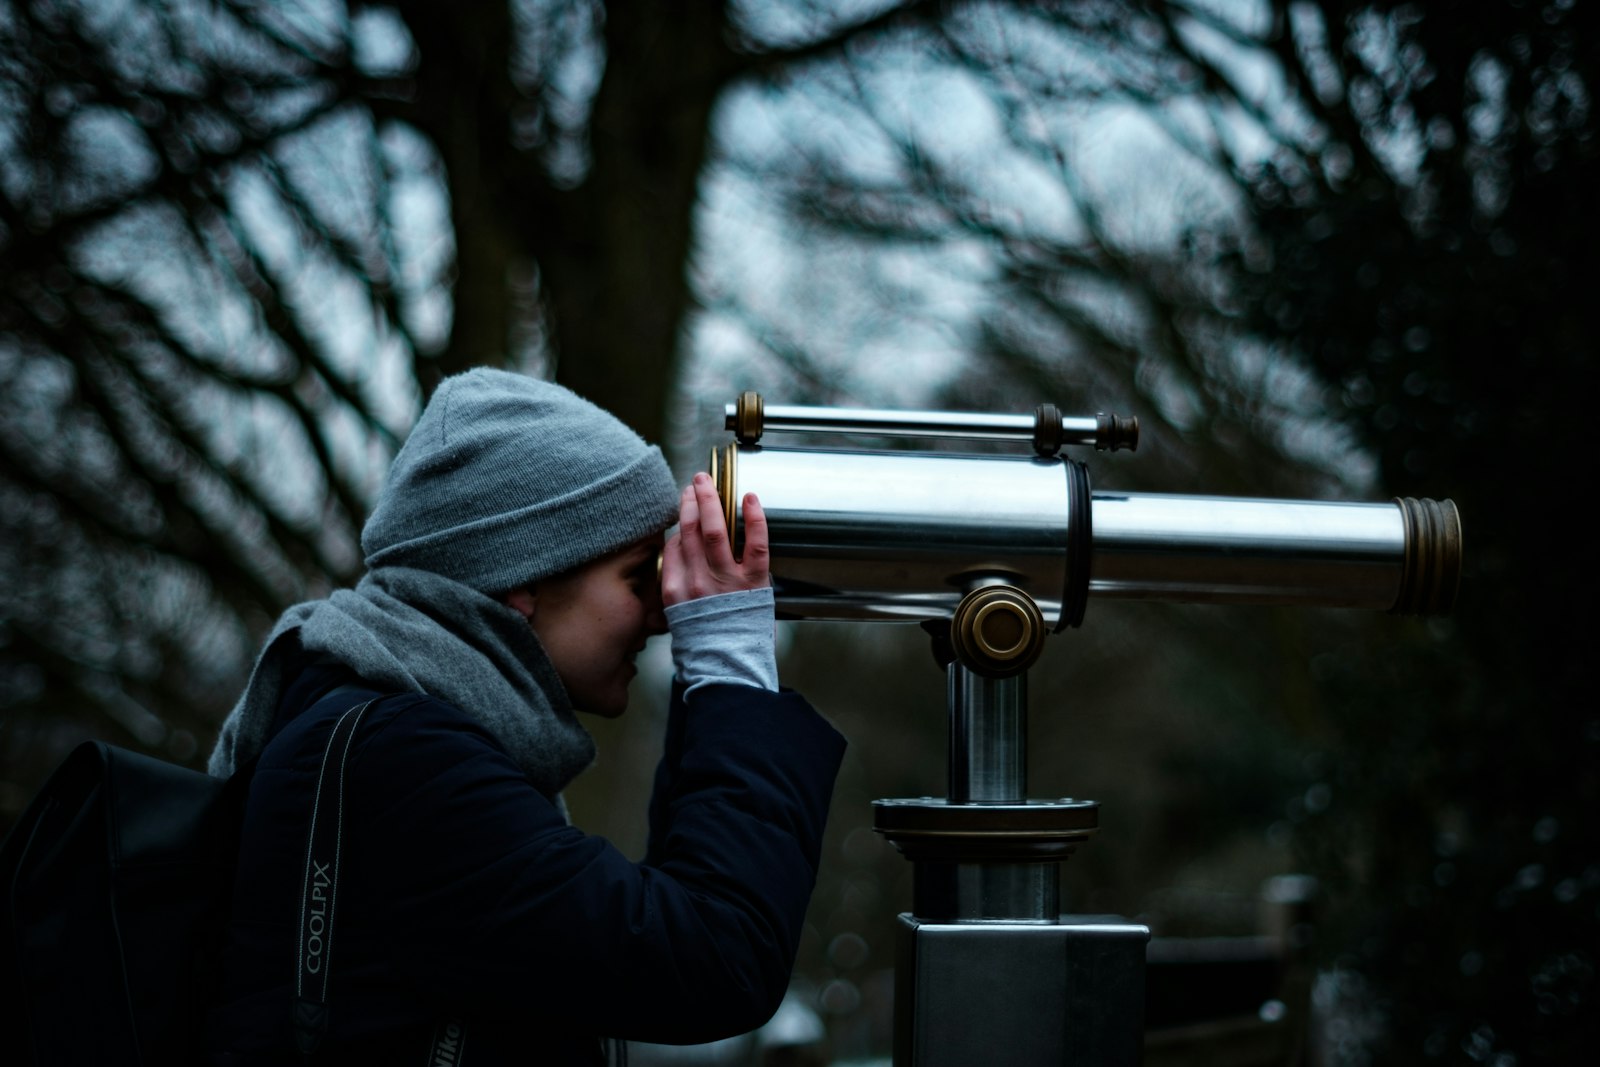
[(501, 907), (666, 774)]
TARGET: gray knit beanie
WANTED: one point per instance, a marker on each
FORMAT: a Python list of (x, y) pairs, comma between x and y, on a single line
[(507, 479)]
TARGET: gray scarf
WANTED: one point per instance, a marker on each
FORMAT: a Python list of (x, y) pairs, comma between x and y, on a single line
[(416, 632)]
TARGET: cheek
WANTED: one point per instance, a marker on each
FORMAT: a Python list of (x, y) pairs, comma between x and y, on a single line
[(620, 621)]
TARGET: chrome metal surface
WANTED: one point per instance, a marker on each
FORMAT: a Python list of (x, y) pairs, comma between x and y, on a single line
[(988, 738), (961, 425), (900, 536), (986, 892), (1228, 550)]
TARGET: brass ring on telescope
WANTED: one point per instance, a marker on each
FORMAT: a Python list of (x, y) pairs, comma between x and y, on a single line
[(997, 631), (1430, 574), (1000, 629), (748, 416), (724, 476)]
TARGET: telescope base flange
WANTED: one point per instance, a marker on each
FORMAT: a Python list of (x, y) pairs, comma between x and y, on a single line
[(986, 863), (1029, 831)]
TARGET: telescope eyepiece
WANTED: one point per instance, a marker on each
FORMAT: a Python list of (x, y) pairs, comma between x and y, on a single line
[(1116, 432)]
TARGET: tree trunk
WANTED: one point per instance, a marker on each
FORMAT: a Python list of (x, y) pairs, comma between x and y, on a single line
[(611, 252), (616, 288)]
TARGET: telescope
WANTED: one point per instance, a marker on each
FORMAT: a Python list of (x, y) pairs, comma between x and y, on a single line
[(991, 553)]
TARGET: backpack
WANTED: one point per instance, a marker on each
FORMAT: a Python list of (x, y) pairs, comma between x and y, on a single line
[(115, 886)]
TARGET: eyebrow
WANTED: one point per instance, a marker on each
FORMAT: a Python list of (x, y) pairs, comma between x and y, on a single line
[(640, 553)]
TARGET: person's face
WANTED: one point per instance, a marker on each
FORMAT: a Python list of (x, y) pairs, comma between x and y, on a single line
[(593, 620)]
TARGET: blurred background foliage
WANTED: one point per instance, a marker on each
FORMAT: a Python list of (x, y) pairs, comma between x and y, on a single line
[(1322, 249)]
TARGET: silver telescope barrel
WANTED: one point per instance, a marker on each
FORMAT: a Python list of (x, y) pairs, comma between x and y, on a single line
[(904, 535)]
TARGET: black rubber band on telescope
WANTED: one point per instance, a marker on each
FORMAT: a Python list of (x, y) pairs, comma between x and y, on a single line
[(1047, 433), (1080, 535)]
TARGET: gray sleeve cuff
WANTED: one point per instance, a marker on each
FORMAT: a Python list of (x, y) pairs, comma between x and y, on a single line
[(725, 639)]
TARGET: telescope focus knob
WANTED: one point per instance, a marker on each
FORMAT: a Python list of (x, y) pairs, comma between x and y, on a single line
[(748, 419), (997, 631)]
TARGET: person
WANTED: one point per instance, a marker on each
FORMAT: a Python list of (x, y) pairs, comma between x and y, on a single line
[(511, 581)]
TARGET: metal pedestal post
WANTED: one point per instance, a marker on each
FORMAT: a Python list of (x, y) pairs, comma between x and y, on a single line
[(985, 970)]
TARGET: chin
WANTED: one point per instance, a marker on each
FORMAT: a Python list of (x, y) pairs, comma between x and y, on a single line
[(607, 709), (606, 697)]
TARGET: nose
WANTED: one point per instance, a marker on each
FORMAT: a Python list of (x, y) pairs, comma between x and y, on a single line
[(656, 623)]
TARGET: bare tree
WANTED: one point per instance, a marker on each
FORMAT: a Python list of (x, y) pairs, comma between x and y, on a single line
[(240, 242), (163, 374)]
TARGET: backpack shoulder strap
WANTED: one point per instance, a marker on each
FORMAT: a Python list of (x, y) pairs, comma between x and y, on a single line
[(319, 886), (319, 894)]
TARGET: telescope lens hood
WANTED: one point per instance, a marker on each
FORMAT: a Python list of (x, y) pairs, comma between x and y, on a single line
[(1431, 574)]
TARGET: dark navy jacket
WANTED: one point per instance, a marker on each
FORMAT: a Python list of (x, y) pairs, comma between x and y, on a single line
[(464, 892)]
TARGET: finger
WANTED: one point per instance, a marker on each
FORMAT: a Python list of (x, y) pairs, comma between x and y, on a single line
[(689, 526), (696, 576), (673, 586), (756, 560), (713, 528)]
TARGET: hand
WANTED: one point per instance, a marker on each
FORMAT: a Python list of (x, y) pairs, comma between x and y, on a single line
[(698, 561)]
